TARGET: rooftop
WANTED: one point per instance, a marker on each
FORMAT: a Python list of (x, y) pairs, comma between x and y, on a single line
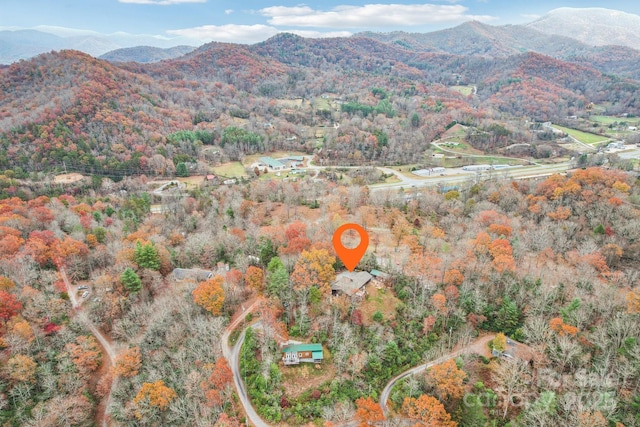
[(271, 162), (294, 348), (351, 282)]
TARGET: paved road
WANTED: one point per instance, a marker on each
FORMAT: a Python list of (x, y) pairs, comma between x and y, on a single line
[(459, 154), (475, 347), (458, 176)]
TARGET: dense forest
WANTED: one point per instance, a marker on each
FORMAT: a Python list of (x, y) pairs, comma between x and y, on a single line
[(550, 263)]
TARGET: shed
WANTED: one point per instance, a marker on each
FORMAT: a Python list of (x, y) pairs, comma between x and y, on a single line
[(379, 274), (294, 354)]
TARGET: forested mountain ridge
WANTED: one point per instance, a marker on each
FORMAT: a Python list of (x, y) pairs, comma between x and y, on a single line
[(488, 41), (69, 107), (146, 54)]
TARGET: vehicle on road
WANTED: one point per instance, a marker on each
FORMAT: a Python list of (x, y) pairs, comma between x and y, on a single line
[(85, 294), (82, 288)]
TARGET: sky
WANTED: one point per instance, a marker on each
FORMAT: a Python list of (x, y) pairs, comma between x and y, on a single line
[(200, 21)]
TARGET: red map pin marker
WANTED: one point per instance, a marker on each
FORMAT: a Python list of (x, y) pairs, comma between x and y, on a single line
[(350, 257)]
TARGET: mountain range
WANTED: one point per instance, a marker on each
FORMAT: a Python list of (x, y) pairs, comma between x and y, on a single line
[(562, 33), (24, 44), (112, 115)]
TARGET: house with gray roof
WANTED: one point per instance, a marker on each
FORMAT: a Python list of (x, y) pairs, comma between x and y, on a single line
[(350, 283)]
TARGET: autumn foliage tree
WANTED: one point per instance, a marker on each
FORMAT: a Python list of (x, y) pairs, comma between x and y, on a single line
[(6, 284), (157, 394), (447, 380), (128, 363), (85, 354), (219, 383), (428, 410), (499, 342), (21, 368), (368, 411), (210, 295), (633, 302), (254, 278), (314, 268), (9, 306)]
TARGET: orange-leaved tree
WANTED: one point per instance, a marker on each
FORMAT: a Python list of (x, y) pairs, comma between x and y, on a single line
[(254, 278), (314, 268), (633, 302), (210, 295), (85, 353), (428, 410), (156, 394), (447, 379), (368, 411), (21, 368), (217, 388), (128, 363)]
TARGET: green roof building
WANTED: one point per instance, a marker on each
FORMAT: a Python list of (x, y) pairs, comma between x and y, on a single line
[(294, 354)]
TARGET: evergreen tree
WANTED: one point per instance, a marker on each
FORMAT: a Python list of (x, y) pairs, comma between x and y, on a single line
[(472, 412), (131, 281), (181, 169), (508, 317), (146, 256), (277, 278)]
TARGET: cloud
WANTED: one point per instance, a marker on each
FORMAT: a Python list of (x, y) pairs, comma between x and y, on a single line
[(531, 16), (370, 15), (161, 2), (228, 33), (228, 11), (247, 34)]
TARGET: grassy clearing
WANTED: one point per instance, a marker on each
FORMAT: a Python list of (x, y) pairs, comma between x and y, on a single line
[(465, 90), (391, 180), (192, 181), (231, 170), (584, 137), (289, 103), (322, 104), (382, 300), (459, 147)]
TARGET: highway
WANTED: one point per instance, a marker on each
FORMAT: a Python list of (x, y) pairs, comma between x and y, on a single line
[(459, 176)]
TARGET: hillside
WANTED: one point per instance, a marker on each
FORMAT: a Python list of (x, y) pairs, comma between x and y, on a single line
[(146, 54), (478, 39), (68, 108)]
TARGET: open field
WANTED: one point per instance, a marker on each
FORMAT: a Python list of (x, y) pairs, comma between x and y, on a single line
[(322, 103), (68, 178), (459, 147), (584, 137), (465, 90), (231, 170), (192, 181), (607, 120), (289, 103), (382, 300)]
